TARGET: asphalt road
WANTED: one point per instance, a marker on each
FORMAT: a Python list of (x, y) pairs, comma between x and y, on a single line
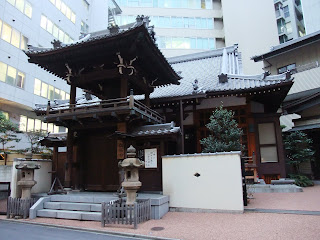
[(18, 231)]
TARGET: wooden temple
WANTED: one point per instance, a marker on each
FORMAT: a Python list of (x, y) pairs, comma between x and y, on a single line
[(134, 95)]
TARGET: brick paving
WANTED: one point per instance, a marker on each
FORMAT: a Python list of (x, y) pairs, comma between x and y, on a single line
[(209, 226)]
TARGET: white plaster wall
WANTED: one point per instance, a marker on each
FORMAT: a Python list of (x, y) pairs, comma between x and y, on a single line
[(251, 24), (41, 176), (219, 186)]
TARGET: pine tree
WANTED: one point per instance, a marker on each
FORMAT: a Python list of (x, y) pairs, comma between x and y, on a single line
[(8, 131), (298, 149), (225, 134)]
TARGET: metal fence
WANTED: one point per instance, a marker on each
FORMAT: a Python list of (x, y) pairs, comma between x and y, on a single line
[(117, 212), (19, 207)]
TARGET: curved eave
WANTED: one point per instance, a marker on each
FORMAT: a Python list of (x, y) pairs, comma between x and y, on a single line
[(40, 57)]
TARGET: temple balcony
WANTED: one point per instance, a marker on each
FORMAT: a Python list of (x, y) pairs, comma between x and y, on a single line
[(120, 109)]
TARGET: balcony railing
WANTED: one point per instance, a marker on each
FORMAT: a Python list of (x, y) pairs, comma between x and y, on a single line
[(118, 106)]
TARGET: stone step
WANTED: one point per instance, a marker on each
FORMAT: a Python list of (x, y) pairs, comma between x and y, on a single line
[(65, 214), (87, 207), (81, 199)]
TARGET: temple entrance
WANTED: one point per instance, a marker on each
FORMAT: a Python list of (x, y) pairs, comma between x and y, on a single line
[(100, 163)]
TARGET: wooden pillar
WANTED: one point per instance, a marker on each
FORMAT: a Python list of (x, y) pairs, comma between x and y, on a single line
[(73, 92), (147, 99), (181, 126), (55, 159), (68, 165), (124, 87)]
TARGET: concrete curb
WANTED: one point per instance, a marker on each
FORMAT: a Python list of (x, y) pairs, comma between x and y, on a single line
[(282, 211), (132, 235)]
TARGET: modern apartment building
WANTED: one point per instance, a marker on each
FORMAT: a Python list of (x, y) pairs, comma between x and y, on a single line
[(191, 26), (311, 16), (38, 23), (290, 19)]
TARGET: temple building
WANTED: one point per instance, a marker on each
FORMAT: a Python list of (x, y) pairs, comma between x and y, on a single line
[(134, 95)]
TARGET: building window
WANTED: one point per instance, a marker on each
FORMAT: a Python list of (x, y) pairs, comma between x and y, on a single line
[(85, 4), (286, 12), (48, 91), (84, 27), (12, 36), (268, 143), (23, 6), (289, 27), (185, 43), (290, 67), (27, 124), (54, 30), (191, 4), (65, 9), (11, 76)]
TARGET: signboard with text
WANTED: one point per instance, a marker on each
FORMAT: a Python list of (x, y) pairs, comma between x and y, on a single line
[(151, 158)]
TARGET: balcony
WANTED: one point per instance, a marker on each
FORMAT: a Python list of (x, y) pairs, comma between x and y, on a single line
[(121, 108), (279, 14)]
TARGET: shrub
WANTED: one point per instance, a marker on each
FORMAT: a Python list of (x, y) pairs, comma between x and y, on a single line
[(301, 180)]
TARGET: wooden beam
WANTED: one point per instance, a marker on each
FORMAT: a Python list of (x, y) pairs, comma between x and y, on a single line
[(98, 75), (96, 116), (73, 93), (68, 165), (181, 126)]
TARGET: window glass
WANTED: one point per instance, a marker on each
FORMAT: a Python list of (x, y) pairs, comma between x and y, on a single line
[(28, 10), (210, 23), (44, 126), (24, 43), (30, 126), (0, 25), (51, 92), (63, 8), (12, 2), (15, 38), (55, 129), (55, 32), (57, 93), (11, 75), (67, 96), (37, 87), (20, 5), (269, 154), (61, 35), (50, 127), (43, 22), (286, 11), (49, 26), (6, 32), (205, 43), (58, 4), (63, 95), (23, 123), (203, 23), (20, 79), (53, 1), (44, 90), (68, 13), (37, 125), (198, 22), (208, 4), (267, 133), (289, 27), (73, 17), (193, 43), (3, 71), (211, 43)]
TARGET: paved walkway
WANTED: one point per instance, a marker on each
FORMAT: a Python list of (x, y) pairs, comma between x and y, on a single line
[(251, 225)]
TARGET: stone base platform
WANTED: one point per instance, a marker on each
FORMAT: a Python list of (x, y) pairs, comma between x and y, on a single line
[(87, 205), (268, 188)]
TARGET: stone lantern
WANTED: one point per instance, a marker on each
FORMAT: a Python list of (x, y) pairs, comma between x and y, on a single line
[(27, 175), (131, 183)]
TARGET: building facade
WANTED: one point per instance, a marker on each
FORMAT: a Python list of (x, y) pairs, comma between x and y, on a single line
[(290, 19), (38, 23), (192, 26), (301, 107)]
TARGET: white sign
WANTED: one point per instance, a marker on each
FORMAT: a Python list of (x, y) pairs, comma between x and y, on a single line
[(150, 158)]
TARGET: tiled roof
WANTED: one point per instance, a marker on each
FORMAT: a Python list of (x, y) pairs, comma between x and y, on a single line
[(206, 68), (157, 129)]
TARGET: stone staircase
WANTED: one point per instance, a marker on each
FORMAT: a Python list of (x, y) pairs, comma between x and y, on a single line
[(69, 207), (87, 205)]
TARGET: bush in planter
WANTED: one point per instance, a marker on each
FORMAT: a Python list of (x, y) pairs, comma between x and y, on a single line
[(301, 180), (224, 132)]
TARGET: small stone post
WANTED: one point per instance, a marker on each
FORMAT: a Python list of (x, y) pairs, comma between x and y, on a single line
[(131, 183)]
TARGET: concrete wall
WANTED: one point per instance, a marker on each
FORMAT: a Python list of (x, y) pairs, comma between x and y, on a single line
[(251, 24), (5, 173), (41, 176), (311, 15), (218, 188)]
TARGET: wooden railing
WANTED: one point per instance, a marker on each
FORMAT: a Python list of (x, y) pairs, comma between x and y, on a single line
[(19, 207), (120, 213), (112, 105)]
